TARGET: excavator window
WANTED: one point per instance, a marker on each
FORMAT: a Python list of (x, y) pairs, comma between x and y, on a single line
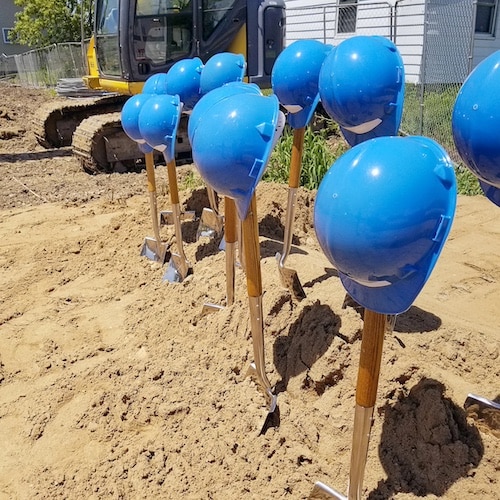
[(213, 12), (163, 30)]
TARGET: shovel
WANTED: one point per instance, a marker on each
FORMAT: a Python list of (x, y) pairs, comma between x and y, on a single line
[(178, 266), (254, 287), (230, 222), (374, 328), (153, 248), (480, 408), (211, 222), (289, 278), (167, 217), (231, 238)]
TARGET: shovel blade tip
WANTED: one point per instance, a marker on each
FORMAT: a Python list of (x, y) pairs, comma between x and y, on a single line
[(323, 492)]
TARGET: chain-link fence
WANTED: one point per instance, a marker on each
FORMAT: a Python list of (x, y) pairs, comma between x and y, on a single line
[(7, 66), (44, 67), (435, 39), (448, 46)]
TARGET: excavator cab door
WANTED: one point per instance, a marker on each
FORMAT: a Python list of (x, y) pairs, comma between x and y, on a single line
[(107, 40), (137, 38)]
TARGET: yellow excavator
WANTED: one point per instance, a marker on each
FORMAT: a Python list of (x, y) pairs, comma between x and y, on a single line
[(134, 39)]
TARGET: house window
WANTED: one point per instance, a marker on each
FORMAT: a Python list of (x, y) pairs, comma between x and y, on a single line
[(5, 34), (346, 19), (486, 16)]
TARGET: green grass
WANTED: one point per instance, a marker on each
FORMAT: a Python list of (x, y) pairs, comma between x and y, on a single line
[(467, 183), (323, 145), (321, 148), (191, 181), (434, 120)]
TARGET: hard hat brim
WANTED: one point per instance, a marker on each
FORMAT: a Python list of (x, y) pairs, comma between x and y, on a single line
[(304, 116), (491, 192)]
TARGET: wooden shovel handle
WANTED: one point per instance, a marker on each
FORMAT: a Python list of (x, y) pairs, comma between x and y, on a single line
[(172, 182), (252, 251), (150, 172), (371, 356), (296, 159), (230, 220)]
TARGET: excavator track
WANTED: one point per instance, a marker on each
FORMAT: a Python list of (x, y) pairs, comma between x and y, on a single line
[(102, 146), (55, 122)]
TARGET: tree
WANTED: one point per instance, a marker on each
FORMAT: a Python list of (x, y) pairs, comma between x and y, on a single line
[(44, 22)]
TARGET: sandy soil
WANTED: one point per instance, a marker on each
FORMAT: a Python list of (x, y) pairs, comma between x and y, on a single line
[(114, 385)]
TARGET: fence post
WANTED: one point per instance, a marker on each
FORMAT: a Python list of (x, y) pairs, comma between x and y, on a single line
[(470, 61), (422, 68), (324, 25)]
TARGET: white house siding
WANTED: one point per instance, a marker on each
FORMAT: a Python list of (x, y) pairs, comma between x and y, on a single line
[(408, 36), (444, 27), (308, 19)]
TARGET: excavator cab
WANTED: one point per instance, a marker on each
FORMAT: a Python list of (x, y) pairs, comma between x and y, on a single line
[(134, 39)]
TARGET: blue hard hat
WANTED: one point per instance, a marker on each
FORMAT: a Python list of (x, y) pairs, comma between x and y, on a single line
[(158, 123), (295, 77), (382, 214), (183, 78), (476, 124), (233, 143), (215, 96), (220, 69), (361, 85), (491, 192), (130, 120), (156, 84)]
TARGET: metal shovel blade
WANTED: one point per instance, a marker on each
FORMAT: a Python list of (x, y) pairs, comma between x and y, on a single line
[(323, 492), (178, 269), (480, 408), (222, 244), (271, 398), (154, 251), (290, 279), (167, 217), (209, 308), (211, 224)]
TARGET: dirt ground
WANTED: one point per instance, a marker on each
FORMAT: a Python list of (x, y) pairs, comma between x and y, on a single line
[(114, 385)]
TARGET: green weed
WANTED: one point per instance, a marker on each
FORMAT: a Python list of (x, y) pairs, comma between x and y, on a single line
[(321, 148)]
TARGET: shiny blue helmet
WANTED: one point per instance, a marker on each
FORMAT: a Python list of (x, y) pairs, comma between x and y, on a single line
[(130, 120), (158, 123), (476, 125), (361, 85), (155, 84), (233, 142), (214, 97), (183, 79), (222, 68), (295, 79), (382, 214)]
